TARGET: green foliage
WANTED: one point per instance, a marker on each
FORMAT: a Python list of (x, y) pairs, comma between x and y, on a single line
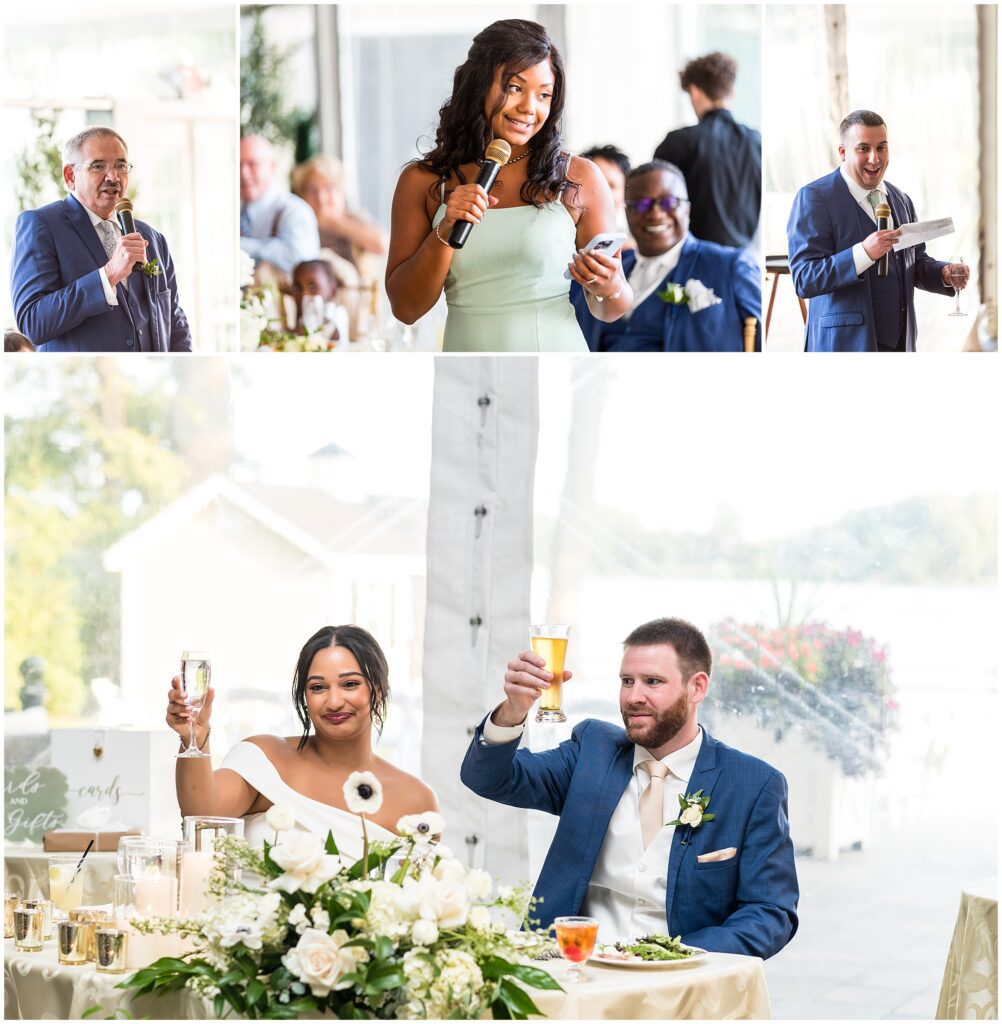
[(38, 172), (263, 85), (923, 540), (91, 461)]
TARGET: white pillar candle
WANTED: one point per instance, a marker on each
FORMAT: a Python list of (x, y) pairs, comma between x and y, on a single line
[(153, 895), (195, 870)]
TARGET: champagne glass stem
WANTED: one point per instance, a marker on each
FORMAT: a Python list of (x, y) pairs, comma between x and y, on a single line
[(191, 732)]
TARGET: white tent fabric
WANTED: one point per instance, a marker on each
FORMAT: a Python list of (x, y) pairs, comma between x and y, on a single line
[(484, 432)]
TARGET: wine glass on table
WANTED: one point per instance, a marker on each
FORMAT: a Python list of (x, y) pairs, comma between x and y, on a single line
[(576, 939), (196, 670), (958, 271)]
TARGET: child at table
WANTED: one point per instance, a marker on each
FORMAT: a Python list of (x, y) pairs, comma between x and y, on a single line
[(314, 287)]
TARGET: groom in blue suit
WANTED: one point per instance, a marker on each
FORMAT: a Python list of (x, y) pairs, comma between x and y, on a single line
[(724, 879), (834, 244), (716, 288), (75, 281)]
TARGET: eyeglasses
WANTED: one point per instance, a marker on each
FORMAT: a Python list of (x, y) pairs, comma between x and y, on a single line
[(101, 166), (646, 203)]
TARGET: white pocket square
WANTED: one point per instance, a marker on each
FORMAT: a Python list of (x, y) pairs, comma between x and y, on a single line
[(709, 858)]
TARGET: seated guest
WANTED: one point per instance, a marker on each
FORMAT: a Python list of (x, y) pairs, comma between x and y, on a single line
[(276, 227), (624, 852), (349, 233), (615, 166), (340, 690), (721, 159), (688, 295), (78, 282), (314, 287), (14, 342)]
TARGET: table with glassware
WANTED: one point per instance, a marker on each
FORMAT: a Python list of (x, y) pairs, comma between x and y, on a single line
[(971, 981), (26, 873)]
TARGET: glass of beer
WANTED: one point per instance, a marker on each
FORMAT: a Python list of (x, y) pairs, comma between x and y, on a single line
[(550, 643), (576, 938)]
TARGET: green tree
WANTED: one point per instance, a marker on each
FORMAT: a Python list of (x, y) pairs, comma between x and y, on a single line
[(91, 453)]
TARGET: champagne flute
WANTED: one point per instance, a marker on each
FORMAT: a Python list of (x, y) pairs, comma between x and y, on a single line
[(196, 670), (957, 271)]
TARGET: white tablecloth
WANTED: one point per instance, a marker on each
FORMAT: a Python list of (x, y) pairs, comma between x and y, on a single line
[(971, 982), (26, 874), (720, 986), (37, 987)]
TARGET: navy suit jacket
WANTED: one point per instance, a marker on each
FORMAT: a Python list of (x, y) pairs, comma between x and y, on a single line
[(58, 298), (825, 223), (747, 904), (735, 279)]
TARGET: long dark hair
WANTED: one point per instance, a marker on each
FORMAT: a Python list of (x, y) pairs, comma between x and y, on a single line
[(464, 129), (371, 661)]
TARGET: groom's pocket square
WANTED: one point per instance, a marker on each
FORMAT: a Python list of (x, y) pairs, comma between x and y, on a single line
[(709, 858)]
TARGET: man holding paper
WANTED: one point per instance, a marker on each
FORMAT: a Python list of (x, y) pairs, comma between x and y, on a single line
[(836, 245), (662, 827)]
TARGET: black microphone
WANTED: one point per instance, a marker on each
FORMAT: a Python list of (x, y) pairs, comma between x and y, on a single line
[(883, 214), (127, 223), (497, 155)]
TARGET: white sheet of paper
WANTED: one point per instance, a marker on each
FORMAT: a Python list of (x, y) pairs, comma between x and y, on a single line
[(923, 231)]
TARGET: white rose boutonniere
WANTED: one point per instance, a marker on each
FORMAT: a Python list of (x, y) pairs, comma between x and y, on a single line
[(693, 294), (693, 812)]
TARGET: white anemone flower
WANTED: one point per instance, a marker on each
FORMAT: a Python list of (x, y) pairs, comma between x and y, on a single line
[(363, 793), (424, 826)]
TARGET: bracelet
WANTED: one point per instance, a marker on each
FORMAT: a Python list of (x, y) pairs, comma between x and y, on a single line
[(599, 298), (208, 730), (438, 236)]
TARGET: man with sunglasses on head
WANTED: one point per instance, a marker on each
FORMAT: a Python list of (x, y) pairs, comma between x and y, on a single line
[(78, 283), (688, 295)]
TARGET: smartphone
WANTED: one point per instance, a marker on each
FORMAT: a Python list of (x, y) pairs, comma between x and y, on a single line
[(607, 242)]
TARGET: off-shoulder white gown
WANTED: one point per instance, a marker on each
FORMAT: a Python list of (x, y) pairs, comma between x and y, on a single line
[(251, 763)]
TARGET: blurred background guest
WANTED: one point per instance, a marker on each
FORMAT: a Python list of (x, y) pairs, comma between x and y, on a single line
[(615, 167), (315, 290), (14, 342), (688, 295), (276, 227), (720, 158), (349, 233)]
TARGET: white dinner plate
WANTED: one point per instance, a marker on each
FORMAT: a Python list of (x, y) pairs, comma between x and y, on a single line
[(597, 958)]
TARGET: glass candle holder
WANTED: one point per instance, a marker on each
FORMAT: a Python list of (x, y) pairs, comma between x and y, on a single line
[(111, 950), (89, 919), (27, 930), (201, 832), (45, 907), (10, 901), (71, 940)]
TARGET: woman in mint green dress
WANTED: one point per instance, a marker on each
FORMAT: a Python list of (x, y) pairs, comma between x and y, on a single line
[(506, 288)]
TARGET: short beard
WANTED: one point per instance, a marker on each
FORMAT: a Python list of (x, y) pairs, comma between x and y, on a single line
[(663, 728)]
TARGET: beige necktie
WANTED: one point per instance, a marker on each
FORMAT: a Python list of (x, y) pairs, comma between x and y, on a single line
[(652, 801)]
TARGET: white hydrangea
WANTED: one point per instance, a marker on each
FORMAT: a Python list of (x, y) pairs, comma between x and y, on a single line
[(392, 908), (424, 933), (478, 884), (456, 991), (480, 919), (321, 919)]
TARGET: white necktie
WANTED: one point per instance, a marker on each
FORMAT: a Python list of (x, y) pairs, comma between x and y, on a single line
[(652, 801)]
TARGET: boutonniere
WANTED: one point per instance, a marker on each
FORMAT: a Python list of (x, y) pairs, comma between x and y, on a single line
[(693, 813), (693, 294), (152, 269)]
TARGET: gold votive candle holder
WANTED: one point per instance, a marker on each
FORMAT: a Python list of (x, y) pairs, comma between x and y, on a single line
[(90, 918), (45, 906), (10, 901), (27, 929), (111, 946), (71, 942)]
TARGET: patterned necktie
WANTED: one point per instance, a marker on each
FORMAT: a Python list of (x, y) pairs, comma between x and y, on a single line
[(108, 237), (875, 200), (245, 222), (652, 801)]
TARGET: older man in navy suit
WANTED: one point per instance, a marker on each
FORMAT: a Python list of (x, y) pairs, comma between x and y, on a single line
[(834, 246), (723, 877), (78, 283), (688, 295)]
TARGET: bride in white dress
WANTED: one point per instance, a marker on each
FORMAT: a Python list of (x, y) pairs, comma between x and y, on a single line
[(340, 691)]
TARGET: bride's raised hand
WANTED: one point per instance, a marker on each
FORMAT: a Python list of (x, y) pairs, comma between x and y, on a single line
[(179, 713)]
